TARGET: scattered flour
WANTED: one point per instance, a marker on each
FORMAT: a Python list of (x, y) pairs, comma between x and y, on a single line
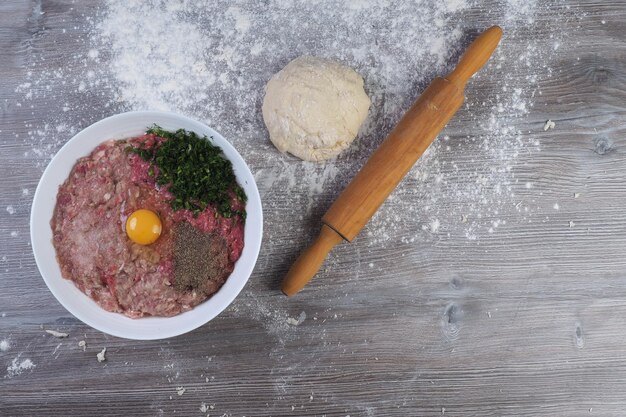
[(206, 408), (57, 334), (5, 345), (298, 321), (271, 316), (17, 367), (230, 52), (10, 210), (180, 390), (292, 321)]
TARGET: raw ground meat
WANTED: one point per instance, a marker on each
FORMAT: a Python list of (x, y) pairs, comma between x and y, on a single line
[(92, 247)]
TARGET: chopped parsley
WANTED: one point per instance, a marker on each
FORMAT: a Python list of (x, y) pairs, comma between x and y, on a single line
[(194, 170)]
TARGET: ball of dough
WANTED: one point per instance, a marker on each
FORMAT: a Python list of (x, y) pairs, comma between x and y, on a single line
[(313, 108)]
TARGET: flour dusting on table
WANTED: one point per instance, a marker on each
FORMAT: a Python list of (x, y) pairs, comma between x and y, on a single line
[(5, 345), (214, 60), (17, 367), (230, 51), (126, 62)]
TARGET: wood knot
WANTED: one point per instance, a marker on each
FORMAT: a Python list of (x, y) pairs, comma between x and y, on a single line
[(603, 145), (578, 336), (451, 321), (456, 283)]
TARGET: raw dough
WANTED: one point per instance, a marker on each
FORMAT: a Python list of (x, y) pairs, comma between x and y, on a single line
[(313, 108)]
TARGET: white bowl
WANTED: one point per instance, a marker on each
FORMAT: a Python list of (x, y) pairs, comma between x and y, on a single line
[(80, 305)]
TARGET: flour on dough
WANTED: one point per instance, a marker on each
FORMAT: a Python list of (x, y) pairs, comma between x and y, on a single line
[(313, 108)]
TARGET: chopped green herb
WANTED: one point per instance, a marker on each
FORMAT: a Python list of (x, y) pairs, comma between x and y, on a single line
[(194, 170)]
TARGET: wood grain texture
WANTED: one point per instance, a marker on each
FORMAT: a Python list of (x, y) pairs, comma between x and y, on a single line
[(526, 321)]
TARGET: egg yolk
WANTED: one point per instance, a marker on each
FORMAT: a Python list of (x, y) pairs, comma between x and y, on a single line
[(143, 227)]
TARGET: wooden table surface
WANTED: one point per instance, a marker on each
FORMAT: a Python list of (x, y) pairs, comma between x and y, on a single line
[(420, 315)]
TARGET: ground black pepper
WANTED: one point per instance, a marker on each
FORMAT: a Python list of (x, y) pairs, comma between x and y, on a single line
[(201, 261)]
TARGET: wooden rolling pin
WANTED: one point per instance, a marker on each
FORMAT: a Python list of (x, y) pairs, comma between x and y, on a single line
[(392, 160)]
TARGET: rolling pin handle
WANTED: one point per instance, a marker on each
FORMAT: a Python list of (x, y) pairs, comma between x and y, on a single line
[(310, 261), (476, 55)]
